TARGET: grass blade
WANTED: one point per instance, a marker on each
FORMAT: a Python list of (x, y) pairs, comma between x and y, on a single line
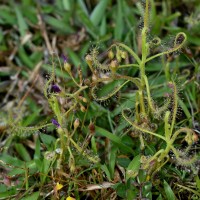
[(99, 12)]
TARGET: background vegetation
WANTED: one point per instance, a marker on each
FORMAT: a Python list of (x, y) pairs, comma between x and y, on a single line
[(33, 35)]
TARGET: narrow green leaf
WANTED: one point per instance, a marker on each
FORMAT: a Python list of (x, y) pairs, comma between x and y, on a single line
[(119, 21), (185, 110), (22, 152), (113, 138), (103, 27), (83, 6), (99, 12), (22, 25), (168, 191), (6, 16), (73, 57), (67, 4), (25, 58), (60, 25), (160, 197), (198, 182), (84, 19), (112, 160), (107, 172)]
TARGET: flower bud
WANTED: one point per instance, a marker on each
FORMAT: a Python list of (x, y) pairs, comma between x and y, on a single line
[(88, 59), (123, 54), (84, 100), (67, 67), (87, 82), (113, 66), (54, 122), (76, 123), (94, 77), (195, 137), (110, 54), (83, 108), (118, 56), (55, 88)]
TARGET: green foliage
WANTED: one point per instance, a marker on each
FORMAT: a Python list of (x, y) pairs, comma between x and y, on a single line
[(109, 127)]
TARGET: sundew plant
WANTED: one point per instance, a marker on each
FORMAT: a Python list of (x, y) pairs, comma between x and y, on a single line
[(81, 153)]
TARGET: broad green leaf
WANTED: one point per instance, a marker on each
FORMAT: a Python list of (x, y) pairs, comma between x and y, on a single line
[(121, 189), (33, 196), (131, 194), (133, 167), (7, 193), (47, 139), (168, 191), (141, 176)]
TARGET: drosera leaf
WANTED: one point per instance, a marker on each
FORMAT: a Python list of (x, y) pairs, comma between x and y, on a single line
[(168, 191), (99, 12), (133, 167)]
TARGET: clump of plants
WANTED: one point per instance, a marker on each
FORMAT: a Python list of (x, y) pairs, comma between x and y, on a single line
[(72, 161)]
